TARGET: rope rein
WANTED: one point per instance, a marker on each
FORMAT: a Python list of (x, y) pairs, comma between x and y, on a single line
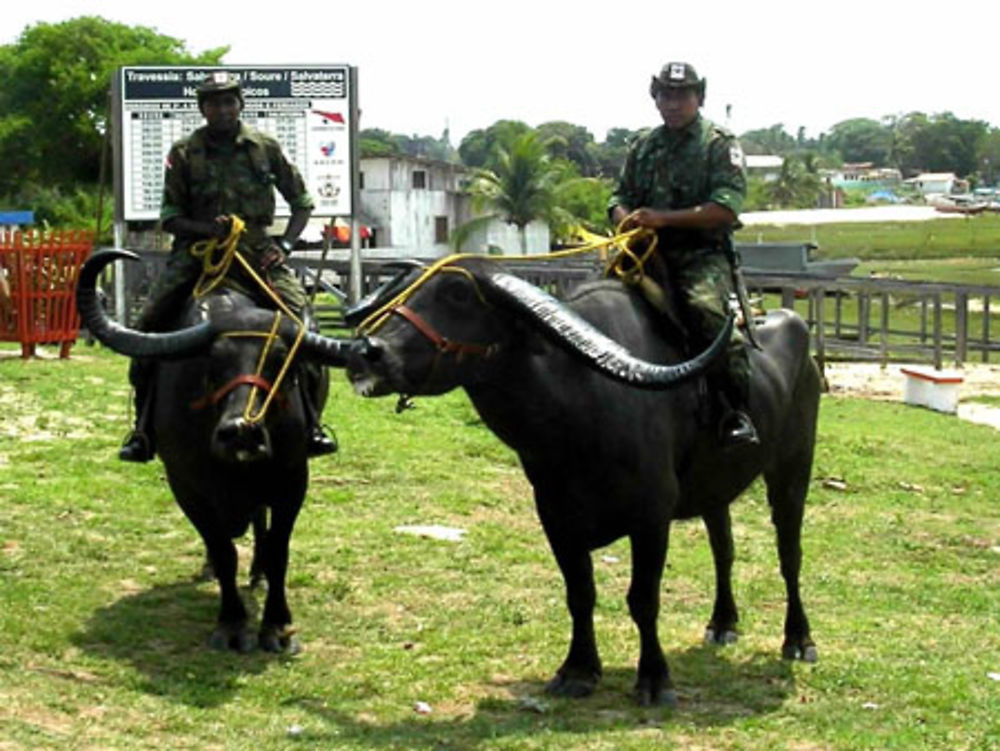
[(213, 273), (626, 241)]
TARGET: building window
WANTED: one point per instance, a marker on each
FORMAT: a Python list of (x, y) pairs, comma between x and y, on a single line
[(440, 229), (361, 181), (419, 179)]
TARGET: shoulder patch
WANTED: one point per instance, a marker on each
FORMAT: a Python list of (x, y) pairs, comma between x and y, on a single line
[(736, 155)]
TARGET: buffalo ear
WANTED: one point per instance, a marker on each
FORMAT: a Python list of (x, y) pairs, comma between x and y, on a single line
[(363, 308)]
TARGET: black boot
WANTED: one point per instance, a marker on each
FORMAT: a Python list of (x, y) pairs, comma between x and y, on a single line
[(318, 443), (138, 445), (735, 427), (313, 387)]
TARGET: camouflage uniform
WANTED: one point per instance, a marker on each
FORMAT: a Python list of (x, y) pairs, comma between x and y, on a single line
[(681, 169), (204, 180), (207, 178)]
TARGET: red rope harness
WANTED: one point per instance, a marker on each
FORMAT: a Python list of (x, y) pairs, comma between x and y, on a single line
[(442, 343), (218, 395)]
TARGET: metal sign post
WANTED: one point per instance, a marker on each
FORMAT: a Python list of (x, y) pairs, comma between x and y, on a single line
[(355, 265)]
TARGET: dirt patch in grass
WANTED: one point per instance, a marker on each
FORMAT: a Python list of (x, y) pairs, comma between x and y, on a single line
[(871, 381)]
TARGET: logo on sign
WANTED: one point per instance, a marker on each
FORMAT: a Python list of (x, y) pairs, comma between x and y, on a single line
[(328, 148), (331, 118), (328, 190)]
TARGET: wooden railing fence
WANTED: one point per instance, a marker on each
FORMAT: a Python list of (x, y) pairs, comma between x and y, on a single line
[(881, 320)]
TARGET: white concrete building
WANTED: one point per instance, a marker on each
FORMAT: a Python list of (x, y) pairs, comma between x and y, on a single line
[(413, 205), (931, 183), (767, 166)]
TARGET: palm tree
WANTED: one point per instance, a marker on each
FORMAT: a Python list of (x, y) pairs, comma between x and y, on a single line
[(797, 185), (521, 187)]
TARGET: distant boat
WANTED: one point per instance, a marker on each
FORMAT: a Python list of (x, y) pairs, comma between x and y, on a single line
[(790, 258), (962, 208)]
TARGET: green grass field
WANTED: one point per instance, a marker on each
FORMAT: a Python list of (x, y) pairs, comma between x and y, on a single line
[(962, 251), (975, 236), (103, 627)]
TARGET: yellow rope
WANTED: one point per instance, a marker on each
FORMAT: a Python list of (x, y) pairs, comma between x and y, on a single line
[(213, 273), (623, 240)]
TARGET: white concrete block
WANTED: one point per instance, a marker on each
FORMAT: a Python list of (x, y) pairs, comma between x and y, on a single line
[(934, 389)]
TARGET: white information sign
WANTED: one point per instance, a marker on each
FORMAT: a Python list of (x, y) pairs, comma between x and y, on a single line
[(306, 108)]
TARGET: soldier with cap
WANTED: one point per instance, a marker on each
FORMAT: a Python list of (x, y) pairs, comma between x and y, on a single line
[(686, 180), (222, 169)]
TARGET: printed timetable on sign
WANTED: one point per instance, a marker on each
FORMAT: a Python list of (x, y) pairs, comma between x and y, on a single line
[(306, 108)]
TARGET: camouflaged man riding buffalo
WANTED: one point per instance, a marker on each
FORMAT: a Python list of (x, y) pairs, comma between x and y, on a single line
[(602, 395), (222, 169), (234, 377), (686, 180)]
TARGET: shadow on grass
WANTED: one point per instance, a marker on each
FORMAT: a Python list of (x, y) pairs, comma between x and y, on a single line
[(163, 633), (716, 688)]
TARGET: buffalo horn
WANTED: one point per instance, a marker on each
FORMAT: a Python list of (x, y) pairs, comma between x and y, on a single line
[(124, 340), (568, 330), (327, 350)]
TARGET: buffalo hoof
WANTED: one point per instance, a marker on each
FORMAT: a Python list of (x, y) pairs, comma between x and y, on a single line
[(573, 686), (279, 639), (258, 582), (720, 637), (803, 650), (228, 636), (646, 696), (206, 573)]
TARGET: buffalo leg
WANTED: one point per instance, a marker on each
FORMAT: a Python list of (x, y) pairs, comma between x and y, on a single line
[(721, 628), (581, 670), (231, 629), (257, 575), (276, 634), (257, 578), (786, 492), (649, 554)]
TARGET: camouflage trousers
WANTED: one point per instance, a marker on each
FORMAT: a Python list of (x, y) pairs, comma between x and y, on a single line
[(702, 282)]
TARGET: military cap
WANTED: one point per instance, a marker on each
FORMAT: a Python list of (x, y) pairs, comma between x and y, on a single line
[(677, 76), (219, 82)]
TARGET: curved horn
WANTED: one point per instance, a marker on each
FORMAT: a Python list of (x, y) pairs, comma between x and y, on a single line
[(573, 333), (124, 340), (327, 350)]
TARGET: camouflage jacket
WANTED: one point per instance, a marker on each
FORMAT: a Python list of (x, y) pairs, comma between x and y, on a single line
[(667, 169), (204, 180)]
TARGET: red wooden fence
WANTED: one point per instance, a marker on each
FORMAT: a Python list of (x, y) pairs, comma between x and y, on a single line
[(41, 270)]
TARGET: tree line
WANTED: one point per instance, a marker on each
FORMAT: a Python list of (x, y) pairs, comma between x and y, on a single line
[(54, 119), (913, 143), (55, 111)]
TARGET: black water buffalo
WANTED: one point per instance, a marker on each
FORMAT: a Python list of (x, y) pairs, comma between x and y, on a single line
[(225, 467), (613, 442)]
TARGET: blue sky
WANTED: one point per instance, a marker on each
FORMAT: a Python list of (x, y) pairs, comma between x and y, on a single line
[(467, 64)]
